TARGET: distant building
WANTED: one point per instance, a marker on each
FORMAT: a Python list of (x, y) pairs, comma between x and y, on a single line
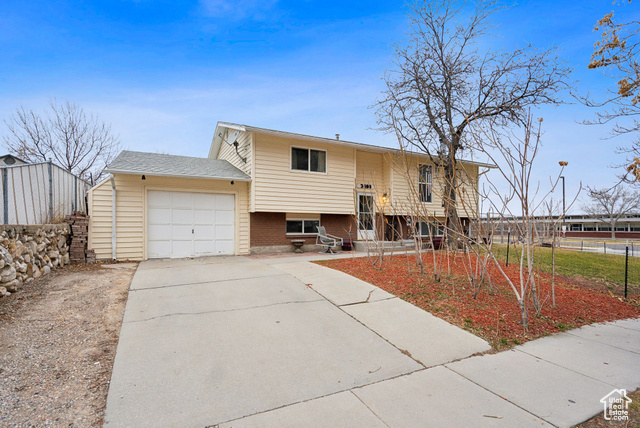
[(578, 225), (590, 226), (10, 160)]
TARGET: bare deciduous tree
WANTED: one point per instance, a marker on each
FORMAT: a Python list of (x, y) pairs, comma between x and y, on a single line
[(610, 205), (80, 143), (515, 157), (616, 54), (442, 82)]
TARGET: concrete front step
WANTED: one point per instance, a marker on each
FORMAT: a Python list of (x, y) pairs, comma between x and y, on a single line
[(407, 244)]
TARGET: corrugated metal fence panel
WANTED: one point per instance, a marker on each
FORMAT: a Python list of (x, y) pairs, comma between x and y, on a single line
[(39, 193)]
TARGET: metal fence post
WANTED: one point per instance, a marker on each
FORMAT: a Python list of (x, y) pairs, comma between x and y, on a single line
[(604, 245), (50, 170), (508, 245), (581, 245), (75, 193), (5, 195), (626, 270)]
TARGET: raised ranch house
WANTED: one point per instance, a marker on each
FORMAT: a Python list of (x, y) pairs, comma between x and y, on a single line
[(258, 190)]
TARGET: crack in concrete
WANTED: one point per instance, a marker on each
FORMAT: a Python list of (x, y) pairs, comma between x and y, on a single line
[(319, 397), (224, 310), (367, 301), (499, 396), (369, 408), (206, 282)]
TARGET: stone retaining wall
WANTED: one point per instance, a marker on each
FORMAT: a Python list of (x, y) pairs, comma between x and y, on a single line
[(27, 252)]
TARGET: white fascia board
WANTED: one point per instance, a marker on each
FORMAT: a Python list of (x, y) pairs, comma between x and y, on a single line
[(159, 174)]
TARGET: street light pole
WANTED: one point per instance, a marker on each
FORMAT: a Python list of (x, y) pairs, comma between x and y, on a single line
[(563, 207), (563, 164)]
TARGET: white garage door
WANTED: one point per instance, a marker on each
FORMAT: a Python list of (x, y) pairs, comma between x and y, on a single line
[(182, 224)]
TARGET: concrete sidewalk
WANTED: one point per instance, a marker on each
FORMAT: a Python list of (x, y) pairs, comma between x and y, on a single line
[(246, 342)]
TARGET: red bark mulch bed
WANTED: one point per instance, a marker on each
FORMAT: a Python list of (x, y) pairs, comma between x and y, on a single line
[(494, 313)]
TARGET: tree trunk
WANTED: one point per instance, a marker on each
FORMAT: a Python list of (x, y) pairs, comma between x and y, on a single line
[(452, 221)]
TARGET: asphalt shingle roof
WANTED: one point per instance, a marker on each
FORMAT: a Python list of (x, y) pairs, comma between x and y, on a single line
[(129, 162)]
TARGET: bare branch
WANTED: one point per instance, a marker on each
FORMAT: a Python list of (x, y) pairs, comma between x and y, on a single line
[(79, 143)]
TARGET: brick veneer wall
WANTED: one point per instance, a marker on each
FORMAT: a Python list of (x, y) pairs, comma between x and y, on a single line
[(269, 229)]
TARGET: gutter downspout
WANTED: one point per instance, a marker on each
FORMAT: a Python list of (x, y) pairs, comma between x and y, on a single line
[(113, 218)]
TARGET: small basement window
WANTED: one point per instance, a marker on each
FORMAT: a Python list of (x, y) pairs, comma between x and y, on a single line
[(302, 227), (308, 160)]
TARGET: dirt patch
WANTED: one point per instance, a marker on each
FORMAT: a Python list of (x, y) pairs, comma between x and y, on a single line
[(491, 312), (58, 338)]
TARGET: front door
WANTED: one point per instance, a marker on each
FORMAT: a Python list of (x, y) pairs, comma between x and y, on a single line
[(366, 216)]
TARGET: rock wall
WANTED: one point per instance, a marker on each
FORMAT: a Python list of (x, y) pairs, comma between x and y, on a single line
[(28, 252)]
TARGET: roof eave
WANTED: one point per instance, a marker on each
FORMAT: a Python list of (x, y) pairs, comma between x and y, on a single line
[(159, 174), (353, 144)]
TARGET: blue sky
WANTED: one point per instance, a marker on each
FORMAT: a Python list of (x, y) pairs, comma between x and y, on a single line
[(164, 72)]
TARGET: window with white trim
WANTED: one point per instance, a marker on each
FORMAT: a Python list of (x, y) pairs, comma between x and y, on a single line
[(424, 182), (308, 160), (302, 227), (422, 229)]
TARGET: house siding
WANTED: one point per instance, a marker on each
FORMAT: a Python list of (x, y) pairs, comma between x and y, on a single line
[(131, 212), (279, 189), (99, 200), (370, 170), (228, 152), (404, 188)]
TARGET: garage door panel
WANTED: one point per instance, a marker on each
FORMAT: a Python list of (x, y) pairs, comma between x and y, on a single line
[(159, 249), (205, 201), (181, 249), (182, 216), (183, 224), (181, 232), (224, 247), (160, 232), (225, 202), (204, 247), (224, 232), (224, 217), (160, 216), (204, 216), (159, 199), (182, 200), (202, 232)]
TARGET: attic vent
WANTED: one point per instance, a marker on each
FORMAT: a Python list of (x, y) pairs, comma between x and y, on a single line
[(9, 160)]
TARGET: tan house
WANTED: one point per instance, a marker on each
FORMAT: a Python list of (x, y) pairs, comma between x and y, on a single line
[(258, 190)]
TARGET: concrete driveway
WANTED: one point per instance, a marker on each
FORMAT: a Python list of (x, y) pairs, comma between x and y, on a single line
[(215, 340), (243, 342)]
